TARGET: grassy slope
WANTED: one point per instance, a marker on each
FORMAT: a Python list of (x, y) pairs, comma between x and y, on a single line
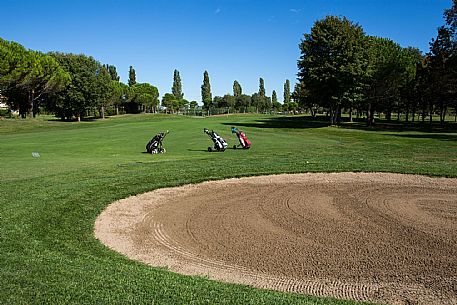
[(48, 205)]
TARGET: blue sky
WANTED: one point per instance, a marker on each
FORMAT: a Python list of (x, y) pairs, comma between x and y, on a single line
[(233, 40)]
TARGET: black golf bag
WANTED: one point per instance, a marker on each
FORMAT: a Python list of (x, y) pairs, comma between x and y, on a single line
[(219, 142), (155, 145)]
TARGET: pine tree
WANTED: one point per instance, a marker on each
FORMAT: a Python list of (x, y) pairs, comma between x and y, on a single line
[(177, 87), (206, 91), (237, 91), (132, 77)]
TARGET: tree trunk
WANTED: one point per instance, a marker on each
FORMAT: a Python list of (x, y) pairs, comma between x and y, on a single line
[(117, 110), (389, 115), (338, 114), (30, 104), (350, 114), (431, 113), (443, 115), (102, 110)]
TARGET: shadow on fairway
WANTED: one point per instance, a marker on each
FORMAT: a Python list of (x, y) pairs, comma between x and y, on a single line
[(442, 137), (200, 150), (395, 126), (299, 122)]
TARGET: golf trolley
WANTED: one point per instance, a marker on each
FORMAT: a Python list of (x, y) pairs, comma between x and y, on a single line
[(155, 145), (244, 142), (219, 142)]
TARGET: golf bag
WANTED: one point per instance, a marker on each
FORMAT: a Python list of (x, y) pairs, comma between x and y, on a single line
[(219, 142), (155, 145), (244, 142)]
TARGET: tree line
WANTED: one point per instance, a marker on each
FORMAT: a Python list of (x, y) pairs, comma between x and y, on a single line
[(74, 86), (341, 69)]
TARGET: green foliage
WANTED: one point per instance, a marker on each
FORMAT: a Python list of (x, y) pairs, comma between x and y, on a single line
[(145, 96), (206, 91), (261, 87), (171, 103), (274, 97), (237, 91), (193, 104), (333, 61), (27, 76), (132, 77), (90, 86), (112, 72), (286, 91), (276, 106), (177, 86)]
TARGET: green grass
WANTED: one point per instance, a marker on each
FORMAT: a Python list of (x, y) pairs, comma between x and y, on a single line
[(48, 205)]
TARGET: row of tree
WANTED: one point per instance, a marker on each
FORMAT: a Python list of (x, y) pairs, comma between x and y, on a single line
[(340, 69), (68, 85), (343, 69), (74, 86)]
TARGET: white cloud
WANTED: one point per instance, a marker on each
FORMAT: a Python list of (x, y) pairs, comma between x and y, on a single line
[(217, 11), (295, 10)]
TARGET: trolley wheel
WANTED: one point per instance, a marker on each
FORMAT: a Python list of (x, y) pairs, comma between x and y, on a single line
[(210, 149), (234, 146)]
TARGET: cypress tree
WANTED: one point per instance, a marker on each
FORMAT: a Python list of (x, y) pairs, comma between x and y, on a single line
[(132, 77), (177, 87), (237, 91), (286, 92), (274, 98), (206, 90), (261, 88)]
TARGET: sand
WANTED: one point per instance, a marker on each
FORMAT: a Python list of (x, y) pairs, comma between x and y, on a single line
[(379, 237)]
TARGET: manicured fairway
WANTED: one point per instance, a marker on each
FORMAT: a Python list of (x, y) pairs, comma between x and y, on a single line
[(48, 205)]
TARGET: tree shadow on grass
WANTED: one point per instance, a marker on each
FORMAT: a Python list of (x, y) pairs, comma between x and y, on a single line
[(298, 122), (436, 136), (395, 126), (85, 119)]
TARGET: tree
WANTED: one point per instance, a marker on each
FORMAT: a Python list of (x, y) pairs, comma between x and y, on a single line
[(286, 92), (103, 90), (261, 88), (119, 94), (229, 101), (193, 106), (86, 90), (442, 65), (177, 87), (259, 100), (333, 62), (243, 102), (132, 76), (169, 101), (28, 76), (206, 91), (237, 91), (390, 68), (274, 101), (146, 96), (112, 72)]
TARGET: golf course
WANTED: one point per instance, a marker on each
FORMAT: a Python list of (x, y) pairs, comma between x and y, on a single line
[(57, 178)]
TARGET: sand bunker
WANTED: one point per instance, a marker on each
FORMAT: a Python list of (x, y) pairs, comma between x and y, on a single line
[(385, 238)]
